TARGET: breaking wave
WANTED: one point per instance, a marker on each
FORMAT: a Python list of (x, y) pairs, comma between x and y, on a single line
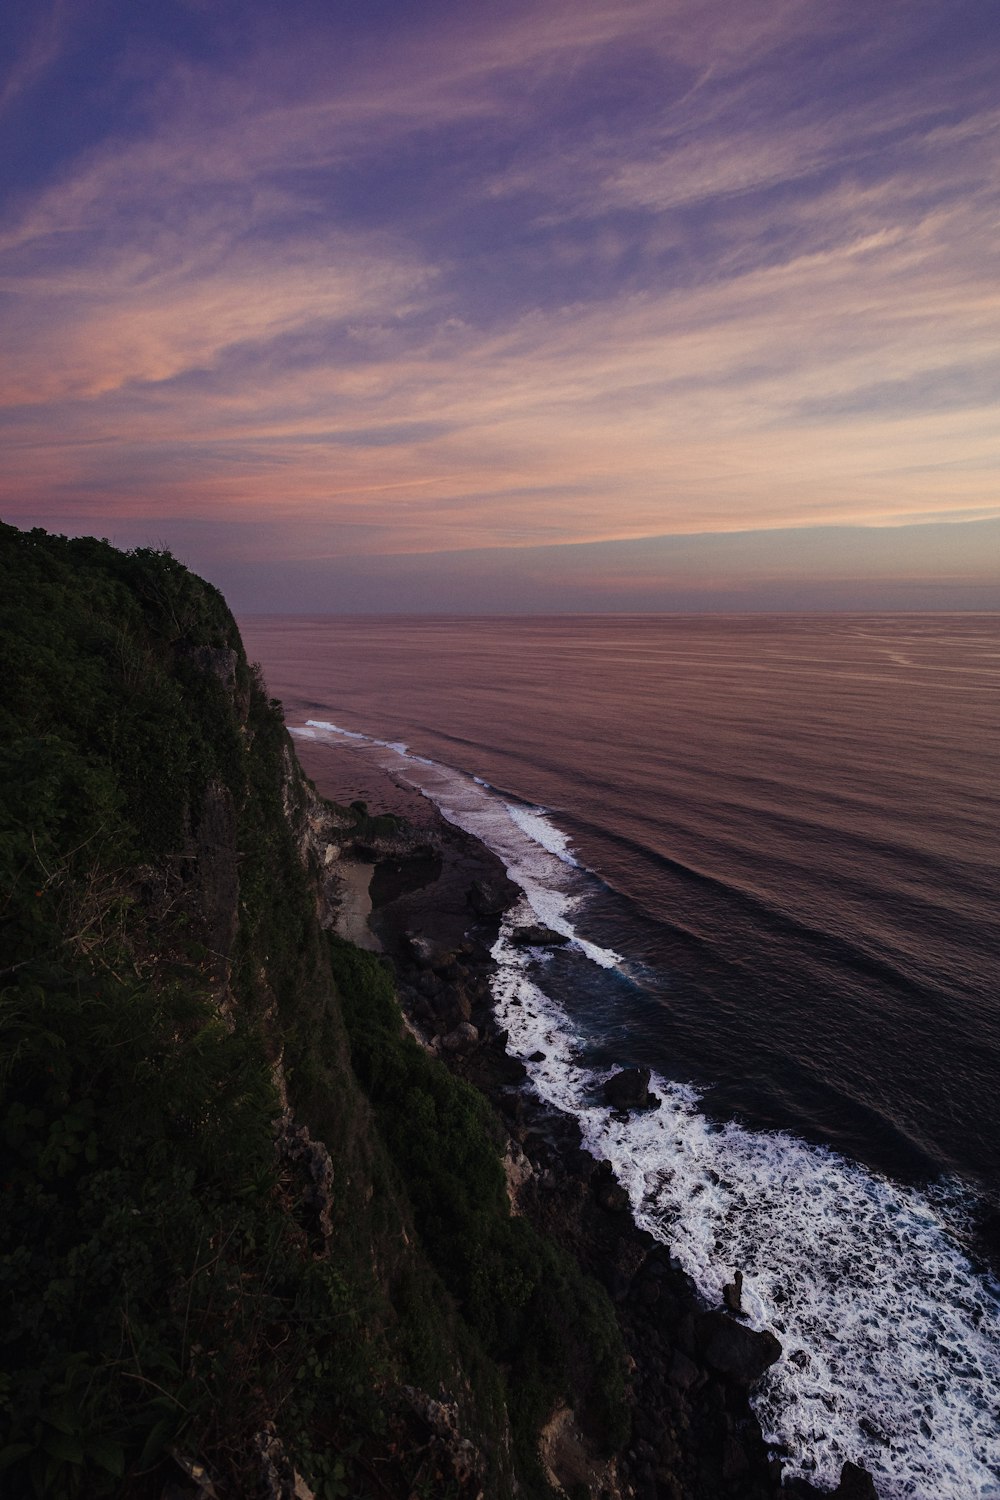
[(890, 1335)]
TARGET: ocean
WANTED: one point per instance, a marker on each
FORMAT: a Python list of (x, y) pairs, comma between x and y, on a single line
[(775, 843)]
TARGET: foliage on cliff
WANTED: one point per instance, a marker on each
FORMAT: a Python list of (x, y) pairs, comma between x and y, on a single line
[(166, 1293)]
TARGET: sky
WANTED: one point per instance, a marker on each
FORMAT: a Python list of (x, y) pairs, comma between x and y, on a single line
[(376, 305)]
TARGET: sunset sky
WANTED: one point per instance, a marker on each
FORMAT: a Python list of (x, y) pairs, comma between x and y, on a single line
[(571, 304)]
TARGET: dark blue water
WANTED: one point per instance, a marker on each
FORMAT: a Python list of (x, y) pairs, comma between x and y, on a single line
[(777, 842)]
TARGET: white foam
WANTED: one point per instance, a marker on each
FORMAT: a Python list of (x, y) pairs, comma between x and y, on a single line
[(891, 1346), (534, 851), (891, 1353), (535, 823), (857, 1276), (349, 734)]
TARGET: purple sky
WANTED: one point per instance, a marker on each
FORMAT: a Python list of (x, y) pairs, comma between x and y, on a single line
[(421, 304)]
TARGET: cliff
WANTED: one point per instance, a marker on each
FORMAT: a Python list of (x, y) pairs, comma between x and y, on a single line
[(249, 1225), (257, 1239)]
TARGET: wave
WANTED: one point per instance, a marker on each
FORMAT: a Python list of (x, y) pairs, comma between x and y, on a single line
[(891, 1350), (536, 853), (534, 821), (889, 1333)]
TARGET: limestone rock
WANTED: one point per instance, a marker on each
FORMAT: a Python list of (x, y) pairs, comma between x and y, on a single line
[(518, 1171), (570, 1464), (296, 1146), (453, 1451), (426, 952)]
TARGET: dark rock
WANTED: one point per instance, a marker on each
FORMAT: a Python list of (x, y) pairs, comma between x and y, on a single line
[(538, 936), (537, 1057), (855, 1484), (362, 851), (684, 1373), (397, 877), (611, 1195), (735, 1463), (427, 953), (629, 1089), (461, 1003), (684, 1333), (462, 1039), (732, 1349), (490, 896), (456, 1457), (732, 1293)]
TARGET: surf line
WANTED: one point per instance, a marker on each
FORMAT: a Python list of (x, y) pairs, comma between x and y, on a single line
[(889, 1334), (535, 852)]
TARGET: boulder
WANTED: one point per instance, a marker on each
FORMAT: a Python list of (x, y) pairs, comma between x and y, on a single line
[(732, 1293), (490, 896), (855, 1484), (629, 1089), (732, 1349), (462, 1039), (536, 935), (426, 953), (607, 1190)]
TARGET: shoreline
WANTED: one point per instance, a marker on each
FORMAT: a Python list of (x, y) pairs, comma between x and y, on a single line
[(692, 1365), (355, 908)]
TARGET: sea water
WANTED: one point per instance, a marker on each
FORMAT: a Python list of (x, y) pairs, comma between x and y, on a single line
[(774, 846)]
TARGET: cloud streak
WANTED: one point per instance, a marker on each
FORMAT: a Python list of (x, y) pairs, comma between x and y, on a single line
[(501, 280)]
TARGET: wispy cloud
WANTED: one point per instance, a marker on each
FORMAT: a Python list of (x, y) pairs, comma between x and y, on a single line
[(605, 272)]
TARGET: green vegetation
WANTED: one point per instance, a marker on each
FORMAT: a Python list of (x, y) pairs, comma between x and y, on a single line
[(527, 1303), (165, 1290)]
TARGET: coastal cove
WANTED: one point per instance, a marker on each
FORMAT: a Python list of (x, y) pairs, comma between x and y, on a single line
[(874, 1250)]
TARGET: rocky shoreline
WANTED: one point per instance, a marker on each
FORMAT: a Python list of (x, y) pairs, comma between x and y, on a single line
[(437, 899)]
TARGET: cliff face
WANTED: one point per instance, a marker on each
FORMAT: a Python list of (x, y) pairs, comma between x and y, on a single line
[(252, 1234), (256, 1239)]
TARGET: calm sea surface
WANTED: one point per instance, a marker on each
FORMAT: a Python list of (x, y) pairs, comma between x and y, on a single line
[(776, 841)]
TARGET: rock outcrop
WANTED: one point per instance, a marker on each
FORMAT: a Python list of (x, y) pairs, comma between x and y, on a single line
[(629, 1090)]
